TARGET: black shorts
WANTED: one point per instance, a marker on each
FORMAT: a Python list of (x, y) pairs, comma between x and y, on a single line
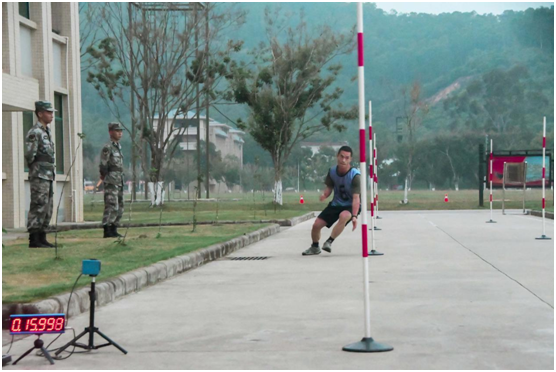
[(331, 214)]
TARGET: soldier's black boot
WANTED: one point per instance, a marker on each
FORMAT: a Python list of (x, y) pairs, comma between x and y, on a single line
[(115, 233), (107, 232), (42, 237), (35, 241)]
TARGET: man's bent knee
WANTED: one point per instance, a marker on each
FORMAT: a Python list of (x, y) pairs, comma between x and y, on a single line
[(345, 216), (319, 224)]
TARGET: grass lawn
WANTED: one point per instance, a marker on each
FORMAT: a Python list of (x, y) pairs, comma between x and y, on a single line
[(34, 274), (245, 207), (238, 207), (463, 199)]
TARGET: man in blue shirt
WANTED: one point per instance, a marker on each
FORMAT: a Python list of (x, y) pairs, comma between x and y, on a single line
[(345, 206)]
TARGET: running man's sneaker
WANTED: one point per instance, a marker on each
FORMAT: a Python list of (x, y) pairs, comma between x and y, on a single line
[(311, 251), (327, 246)]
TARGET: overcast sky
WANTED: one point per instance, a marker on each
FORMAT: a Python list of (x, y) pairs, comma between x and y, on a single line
[(445, 7)]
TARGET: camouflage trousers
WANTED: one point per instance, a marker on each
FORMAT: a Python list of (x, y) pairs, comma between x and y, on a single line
[(42, 205), (113, 204)]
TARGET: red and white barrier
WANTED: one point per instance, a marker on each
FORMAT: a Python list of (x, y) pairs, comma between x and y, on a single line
[(543, 237), (367, 344)]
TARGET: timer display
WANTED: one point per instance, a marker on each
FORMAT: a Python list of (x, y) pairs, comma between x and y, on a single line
[(37, 323)]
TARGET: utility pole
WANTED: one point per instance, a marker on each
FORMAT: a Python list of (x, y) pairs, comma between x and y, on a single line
[(207, 95), (132, 109), (198, 106)]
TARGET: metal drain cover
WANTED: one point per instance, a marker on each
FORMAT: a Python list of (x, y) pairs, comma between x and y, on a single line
[(249, 258)]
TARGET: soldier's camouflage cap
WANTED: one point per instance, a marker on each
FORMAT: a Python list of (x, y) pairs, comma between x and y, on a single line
[(115, 126), (44, 106)]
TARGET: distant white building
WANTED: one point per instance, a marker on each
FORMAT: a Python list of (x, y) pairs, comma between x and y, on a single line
[(227, 140), (315, 146)]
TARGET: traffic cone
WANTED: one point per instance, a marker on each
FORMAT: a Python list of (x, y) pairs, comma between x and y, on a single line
[(446, 198), (301, 201)]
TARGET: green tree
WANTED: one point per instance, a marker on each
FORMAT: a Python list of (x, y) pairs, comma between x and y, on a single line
[(415, 109), (158, 59), (288, 94), (535, 28), (231, 171)]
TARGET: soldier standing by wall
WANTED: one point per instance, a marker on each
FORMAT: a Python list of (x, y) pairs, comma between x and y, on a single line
[(112, 173), (39, 153)]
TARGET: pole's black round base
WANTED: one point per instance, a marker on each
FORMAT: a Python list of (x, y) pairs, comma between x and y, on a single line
[(378, 218), (491, 221), (377, 228), (367, 345), (375, 253), (543, 237)]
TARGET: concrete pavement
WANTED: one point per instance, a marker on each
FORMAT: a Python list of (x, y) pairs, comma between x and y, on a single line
[(451, 292)]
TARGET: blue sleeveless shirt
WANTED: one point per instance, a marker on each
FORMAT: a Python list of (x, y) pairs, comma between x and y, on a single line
[(343, 195)]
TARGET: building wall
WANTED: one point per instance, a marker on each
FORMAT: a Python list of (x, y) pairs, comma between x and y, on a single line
[(54, 68), (226, 146)]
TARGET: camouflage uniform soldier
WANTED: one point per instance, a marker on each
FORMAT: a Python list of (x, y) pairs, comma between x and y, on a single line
[(39, 153), (112, 173)]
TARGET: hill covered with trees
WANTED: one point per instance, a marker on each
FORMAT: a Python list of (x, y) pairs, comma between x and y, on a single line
[(451, 79)]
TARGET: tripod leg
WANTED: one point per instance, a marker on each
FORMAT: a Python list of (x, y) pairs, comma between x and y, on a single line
[(72, 342), (47, 355), (23, 356), (110, 341)]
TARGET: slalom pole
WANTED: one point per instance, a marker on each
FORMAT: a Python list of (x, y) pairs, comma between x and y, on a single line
[(375, 181), (524, 185), (543, 237), (490, 177), (367, 344), (372, 170)]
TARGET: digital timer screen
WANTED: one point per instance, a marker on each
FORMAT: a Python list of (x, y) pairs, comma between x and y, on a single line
[(37, 323)]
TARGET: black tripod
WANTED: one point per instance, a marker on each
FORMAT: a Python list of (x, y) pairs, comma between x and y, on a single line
[(39, 344), (91, 330)]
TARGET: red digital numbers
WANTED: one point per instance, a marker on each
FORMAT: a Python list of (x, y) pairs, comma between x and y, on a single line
[(16, 325), (32, 325), (37, 324), (50, 322), (42, 324), (59, 324)]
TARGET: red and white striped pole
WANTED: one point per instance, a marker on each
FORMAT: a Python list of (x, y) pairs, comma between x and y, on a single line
[(490, 178), (371, 168), (376, 180), (367, 344), (543, 237), (372, 171)]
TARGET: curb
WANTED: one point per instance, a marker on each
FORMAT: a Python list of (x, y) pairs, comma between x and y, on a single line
[(112, 289), (546, 214)]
